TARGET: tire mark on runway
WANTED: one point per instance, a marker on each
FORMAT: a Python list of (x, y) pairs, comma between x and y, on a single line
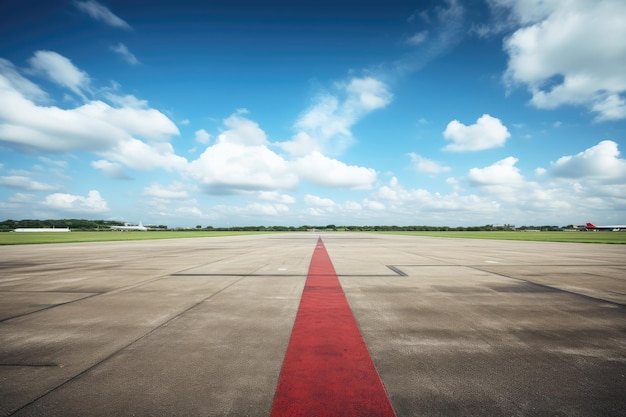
[(328, 370)]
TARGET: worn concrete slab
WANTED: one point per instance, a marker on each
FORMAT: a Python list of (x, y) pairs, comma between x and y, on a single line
[(201, 326)]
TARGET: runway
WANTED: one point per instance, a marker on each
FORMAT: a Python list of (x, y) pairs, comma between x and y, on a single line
[(453, 327)]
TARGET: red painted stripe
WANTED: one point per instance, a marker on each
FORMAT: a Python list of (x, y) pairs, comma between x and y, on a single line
[(328, 370)]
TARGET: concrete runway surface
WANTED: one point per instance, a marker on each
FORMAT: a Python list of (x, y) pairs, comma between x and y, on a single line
[(200, 327)]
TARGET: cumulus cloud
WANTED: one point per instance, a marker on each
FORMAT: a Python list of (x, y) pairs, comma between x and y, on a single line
[(326, 126), (327, 172), (488, 132), (313, 200), (93, 203), (599, 162), (276, 197), (242, 131), (569, 53), (227, 168), (611, 107), (252, 212), (22, 182), (142, 156), (267, 209), (110, 169), (426, 165), (123, 51), (406, 204), (501, 173), (240, 161), (174, 191), (117, 133), (94, 126), (99, 12), (202, 136)]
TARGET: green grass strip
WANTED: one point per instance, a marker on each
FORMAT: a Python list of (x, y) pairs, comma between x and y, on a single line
[(25, 238), (578, 237)]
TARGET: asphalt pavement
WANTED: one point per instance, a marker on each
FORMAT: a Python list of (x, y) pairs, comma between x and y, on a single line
[(201, 326)]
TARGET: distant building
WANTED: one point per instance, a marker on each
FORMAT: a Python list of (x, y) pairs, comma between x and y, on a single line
[(42, 229)]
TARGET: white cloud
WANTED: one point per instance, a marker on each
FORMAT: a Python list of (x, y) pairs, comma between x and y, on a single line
[(276, 197), (373, 205), (503, 173), (242, 131), (418, 38), (446, 29), (148, 123), (60, 70), (50, 161), (94, 127), (127, 100), (600, 162), (131, 134), (139, 155), (68, 203), (99, 12), (227, 168), (570, 53), (313, 200), (123, 51), (202, 136), (488, 132), (110, 169), (22, 198), (266, 209), (241, 162), (612, 107), (426, 165), (174, 191), (252, 213), (326, 126), (365, 95), (26, 87), (352, 206), (327, 172), (517, 197), (21, 182)]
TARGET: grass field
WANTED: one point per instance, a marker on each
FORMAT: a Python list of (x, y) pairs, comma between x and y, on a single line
[(13, 238), (580, 237)]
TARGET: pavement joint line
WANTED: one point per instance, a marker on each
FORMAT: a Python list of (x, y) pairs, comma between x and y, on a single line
[(49, 307), (525, 265), (115, 353), (31, 365), (113, 291), (288, 275), (556, 289), (48, 292)]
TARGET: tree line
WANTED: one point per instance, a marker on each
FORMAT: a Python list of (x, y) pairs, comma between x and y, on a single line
[(94, 225)]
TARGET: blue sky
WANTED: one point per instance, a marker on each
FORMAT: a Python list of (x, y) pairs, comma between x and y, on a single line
[(230, 113)]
